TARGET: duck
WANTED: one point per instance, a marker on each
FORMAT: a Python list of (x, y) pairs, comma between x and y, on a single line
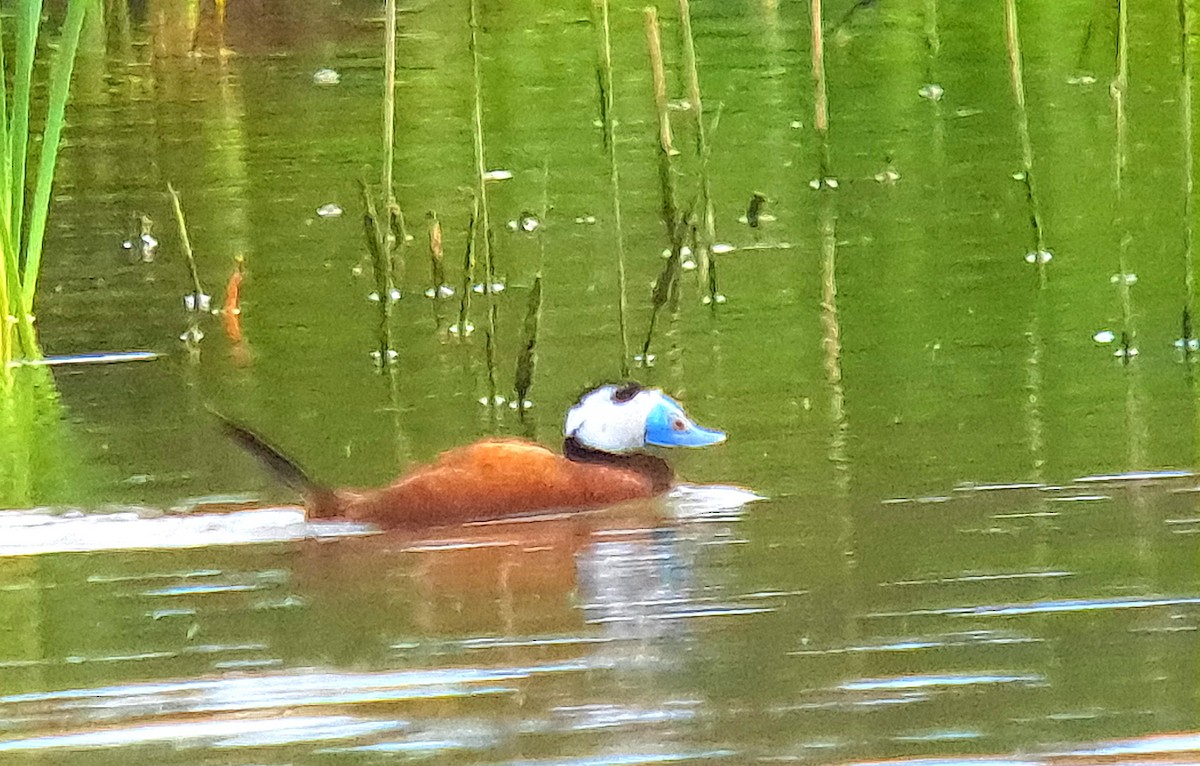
[(605, 460)]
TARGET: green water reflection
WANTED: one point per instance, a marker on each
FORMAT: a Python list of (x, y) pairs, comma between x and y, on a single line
[(885, 347)]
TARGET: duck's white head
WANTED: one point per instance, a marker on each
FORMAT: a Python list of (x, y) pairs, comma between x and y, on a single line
[(627, 417)]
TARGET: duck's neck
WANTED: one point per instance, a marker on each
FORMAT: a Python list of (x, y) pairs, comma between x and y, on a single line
[(657, 470)]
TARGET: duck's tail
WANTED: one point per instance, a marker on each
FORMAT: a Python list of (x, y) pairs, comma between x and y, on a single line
[(320, 501)]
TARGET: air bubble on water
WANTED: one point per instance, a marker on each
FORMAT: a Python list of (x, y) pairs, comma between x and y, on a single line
[(1041, 256), (1130, 279), (191, 303), (1105, 336), (931, 91)]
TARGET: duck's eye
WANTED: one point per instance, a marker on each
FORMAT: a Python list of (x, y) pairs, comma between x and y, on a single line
[(678, 424)]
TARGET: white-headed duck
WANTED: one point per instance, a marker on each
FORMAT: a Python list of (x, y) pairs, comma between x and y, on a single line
[(603, 462)]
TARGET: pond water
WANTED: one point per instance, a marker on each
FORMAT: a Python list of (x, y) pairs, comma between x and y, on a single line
[(977, 537)]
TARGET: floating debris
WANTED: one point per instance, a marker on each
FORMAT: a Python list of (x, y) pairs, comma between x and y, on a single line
[(1041, 256), (197, 302), (1105, 336), (326, 77), (585, 219), (931, 92), (497, 175), (330, 210), (1130, 279)]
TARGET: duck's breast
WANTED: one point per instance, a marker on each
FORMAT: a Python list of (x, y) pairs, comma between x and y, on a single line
[(495, 478)]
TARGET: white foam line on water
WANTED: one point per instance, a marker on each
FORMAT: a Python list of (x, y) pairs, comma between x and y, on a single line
[(96, 358), (1135, 476), (223, 733), (26, 533), (1045, 607), (926, 682)]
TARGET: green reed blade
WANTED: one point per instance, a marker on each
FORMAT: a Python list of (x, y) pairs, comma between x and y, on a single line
[(60, 84), (29, 17)]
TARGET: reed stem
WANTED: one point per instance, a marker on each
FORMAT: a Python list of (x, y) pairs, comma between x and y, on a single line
[(708, 217), (820, 93), (389, 98), (605, 83), (1118, 90), (1017, 80), (489, 266), (666, 173), (1189, 169), (186, 242)]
